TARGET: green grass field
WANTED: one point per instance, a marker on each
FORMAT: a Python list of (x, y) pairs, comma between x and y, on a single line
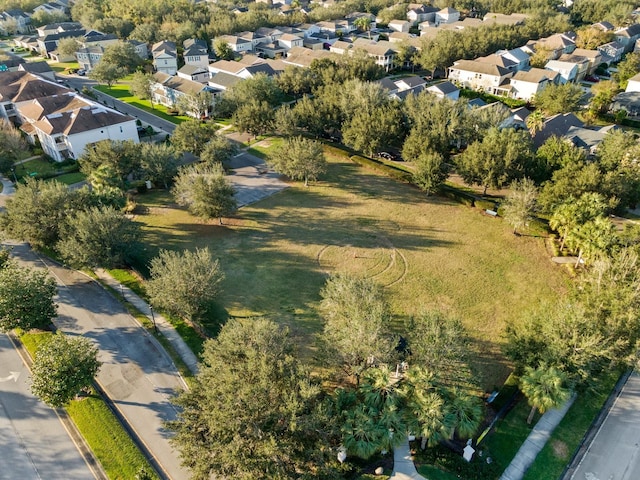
[(70, 178), (427, 252), (110, 443), (121, 92)]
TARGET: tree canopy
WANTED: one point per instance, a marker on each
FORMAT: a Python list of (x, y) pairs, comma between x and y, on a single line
[(63, 366), (300, 159), (254, 410)]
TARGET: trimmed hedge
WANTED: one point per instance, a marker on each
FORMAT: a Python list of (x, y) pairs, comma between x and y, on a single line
[(393, 172)]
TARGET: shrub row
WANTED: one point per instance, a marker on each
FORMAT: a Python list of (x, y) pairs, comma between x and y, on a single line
[(393, 172)]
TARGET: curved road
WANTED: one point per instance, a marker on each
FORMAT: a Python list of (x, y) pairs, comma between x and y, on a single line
[(136, 374)]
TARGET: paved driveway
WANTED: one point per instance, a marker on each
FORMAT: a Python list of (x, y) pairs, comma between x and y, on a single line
[(252, 179), (614, 453)]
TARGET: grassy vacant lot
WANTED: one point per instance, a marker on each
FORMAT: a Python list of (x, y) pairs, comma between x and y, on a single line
[(428, 252), (110, 443), (121, 92)]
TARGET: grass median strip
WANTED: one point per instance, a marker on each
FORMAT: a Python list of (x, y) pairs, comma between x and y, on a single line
[(110, 443)]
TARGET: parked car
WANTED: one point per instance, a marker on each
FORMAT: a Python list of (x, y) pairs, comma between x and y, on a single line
[(592, 78), (388, 156), (82, 72)]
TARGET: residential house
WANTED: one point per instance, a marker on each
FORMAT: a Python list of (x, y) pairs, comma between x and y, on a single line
[(195, 52), (583, 63), (195, 73), (28, 42), (558, 126), (611, 52), (557, 44), (382, 52), (627, 36), (499, 60), (52, 8), (526, 84), (289, 41), (49, 43), (518, 56), (604, 26), (64, 123), (627, 101), (633, 84), (90, 55), (446, 15), (253, 37), (222, 81), (165, 57), (271, 50), (593, 56), (588, 139), (59, 27), (236, 43), (99, 40), (14, 21), (480, 76), (168, 89), (400, 25), (141, 48), (421, 13), (568, 71), (271, 34), (41, 69), (444, 90), (10, 62), (304, 57), (352, 17), (338, 27)]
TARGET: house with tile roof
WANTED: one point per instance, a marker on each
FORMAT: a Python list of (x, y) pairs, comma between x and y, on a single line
[(64, 122)]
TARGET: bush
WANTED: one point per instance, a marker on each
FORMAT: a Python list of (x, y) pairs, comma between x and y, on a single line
[(392, 172), (459, 196), (485, 204)]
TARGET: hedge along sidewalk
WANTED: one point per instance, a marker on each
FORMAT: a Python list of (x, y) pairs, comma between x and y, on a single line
[(535, 442), (161, 323), (76, 436)]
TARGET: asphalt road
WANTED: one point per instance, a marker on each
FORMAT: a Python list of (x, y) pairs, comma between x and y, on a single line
[(136, 373), (33, 442), (614, 453)]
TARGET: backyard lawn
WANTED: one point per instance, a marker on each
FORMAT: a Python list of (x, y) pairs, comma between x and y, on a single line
[(428, 252)]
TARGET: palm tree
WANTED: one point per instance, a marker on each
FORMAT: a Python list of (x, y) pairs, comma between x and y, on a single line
[(364, 24), (591, 239), (465, 412), (424, 407), (569, 215), (535, 122), (545, 388)]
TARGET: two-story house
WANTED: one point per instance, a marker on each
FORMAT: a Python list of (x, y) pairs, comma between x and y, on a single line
[(14, 21), (526, 84), (165, 57), (480, 76), (195, 52), (627, 36)]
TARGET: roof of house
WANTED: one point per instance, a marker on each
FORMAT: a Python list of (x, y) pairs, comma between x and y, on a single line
[(412, 82), (193, 70), (583, 52), (444, 87), (39, 107), (165, 46), (535, 75), (476, 103), (448, 11), (224, 80), (573, 58), (83, 119), (627, 101), (502, 19), (479, 67), (388, 84), (558, 126), (520, 114), (289, 37), (22, 86), (179, 84), (560, 65), (499, 60), (585, 137), (605, 26), (227, 66), (103, 37), (35, 67), (630, 31)]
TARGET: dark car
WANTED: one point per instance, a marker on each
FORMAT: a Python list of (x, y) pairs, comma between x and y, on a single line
[(388, 156)]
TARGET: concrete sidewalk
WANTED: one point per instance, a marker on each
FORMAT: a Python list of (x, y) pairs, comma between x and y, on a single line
[(7, 186), (162, 324), (536, 440), (403, 466)]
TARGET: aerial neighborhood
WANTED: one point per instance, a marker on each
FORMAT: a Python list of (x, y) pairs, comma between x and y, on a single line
[(320, 239)]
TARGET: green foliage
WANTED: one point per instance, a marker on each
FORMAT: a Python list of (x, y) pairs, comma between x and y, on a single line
[(545, 388), (158, 162), (627, 68), (520, 204), (184, 283), (497, 160), (431, 172), (556, 98), (371, 129), (107, 73), (62, 368), (26, 298), (255, 117), (99, 237), (109, 162), (222, 49), (192, 136), (254, 410), (196, 105), (357, 318), (388, 170), (592, 11), (11, 145), (300, 159), (122, 55), (205, 191), (141, 85), (217, 150)]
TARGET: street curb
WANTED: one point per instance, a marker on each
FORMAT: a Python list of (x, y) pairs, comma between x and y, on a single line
[(586, 441), (76, 437)]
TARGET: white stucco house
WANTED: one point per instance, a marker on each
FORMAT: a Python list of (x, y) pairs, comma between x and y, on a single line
[(480, 76), (526, 84)]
